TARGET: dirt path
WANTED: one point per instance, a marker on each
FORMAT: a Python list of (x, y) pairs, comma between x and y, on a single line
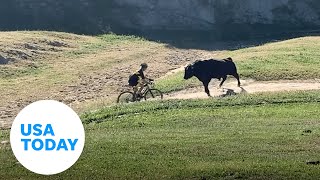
[(229, 88), (248, 86)]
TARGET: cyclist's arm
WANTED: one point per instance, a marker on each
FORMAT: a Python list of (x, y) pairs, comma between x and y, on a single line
[(142, 75), (144, 78)]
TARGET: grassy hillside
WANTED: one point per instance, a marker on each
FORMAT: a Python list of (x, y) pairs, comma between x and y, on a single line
[(39, 51), (290, 59), (78, 70), (89, 71), (244, 137)]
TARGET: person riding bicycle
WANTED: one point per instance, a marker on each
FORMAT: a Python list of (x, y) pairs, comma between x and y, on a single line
[(138, 80)]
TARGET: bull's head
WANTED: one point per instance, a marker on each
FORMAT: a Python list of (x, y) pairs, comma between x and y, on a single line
[(188, 71)]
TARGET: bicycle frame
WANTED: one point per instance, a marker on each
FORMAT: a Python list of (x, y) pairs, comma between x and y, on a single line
[(146, 89)]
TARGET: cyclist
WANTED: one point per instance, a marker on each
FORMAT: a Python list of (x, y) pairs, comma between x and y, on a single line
[(138, 80)]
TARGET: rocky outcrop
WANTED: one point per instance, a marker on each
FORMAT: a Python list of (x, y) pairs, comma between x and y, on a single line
[(3, 60), (206, 14), (216, 17)]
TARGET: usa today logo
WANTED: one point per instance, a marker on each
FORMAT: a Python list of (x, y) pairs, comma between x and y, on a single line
[(47, 137)]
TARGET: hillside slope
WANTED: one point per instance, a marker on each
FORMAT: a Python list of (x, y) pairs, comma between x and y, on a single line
[(79, 70), (87, 72)]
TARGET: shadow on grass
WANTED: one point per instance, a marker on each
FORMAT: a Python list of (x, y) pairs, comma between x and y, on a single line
[(220, 39)]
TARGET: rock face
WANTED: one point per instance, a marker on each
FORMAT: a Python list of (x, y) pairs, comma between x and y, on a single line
[(218, 17), (3, 60), (206, 14)]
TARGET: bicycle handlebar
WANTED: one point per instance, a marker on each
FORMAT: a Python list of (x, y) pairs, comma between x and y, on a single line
[(150, 82)]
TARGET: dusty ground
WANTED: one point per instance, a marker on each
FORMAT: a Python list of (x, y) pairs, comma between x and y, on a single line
[(84, 82), (92, 89), (248, 86)]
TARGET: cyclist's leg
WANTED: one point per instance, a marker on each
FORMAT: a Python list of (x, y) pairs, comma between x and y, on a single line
[(133, 82), (140, 87), (135, 89)]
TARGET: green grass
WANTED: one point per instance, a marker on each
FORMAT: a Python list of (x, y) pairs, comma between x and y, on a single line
[(15, 72), (175, 83), (110, 113), (285, 60), (291, 59), (102, 42), (249, 136)]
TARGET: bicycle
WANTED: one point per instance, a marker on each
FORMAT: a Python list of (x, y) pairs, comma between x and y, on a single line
[(148, 92)]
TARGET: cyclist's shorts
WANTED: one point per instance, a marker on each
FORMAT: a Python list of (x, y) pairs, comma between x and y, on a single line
[(133, 80)]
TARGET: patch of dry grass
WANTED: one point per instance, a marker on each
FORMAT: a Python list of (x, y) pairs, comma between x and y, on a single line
[(82, 71)]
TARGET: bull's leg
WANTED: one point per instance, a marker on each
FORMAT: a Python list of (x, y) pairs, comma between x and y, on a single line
[(223, 79), (206, 88), (236, 75)]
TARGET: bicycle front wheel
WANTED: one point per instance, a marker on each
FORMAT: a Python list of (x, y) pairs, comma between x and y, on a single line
[(153, 94), (126, 97)]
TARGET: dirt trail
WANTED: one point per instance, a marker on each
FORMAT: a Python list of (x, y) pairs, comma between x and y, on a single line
[(229, 88), (248, 86)]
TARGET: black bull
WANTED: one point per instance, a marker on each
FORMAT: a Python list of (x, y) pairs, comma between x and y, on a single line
[(208, 69)]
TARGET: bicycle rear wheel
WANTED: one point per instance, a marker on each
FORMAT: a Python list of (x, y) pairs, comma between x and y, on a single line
[(153, 94), (126, 97)]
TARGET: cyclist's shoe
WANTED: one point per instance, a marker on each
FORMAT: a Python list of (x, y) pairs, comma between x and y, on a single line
[(138, 97)]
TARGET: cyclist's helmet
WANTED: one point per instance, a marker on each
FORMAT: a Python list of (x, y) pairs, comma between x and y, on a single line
[(144, 65)]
